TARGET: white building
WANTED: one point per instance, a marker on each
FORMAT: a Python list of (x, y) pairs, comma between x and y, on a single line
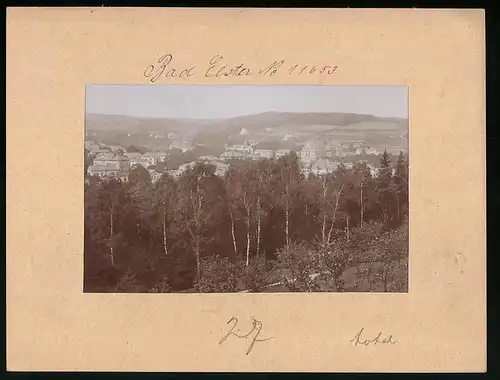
[(133, 155), (233, 155), (243, 148), (260, 154), (91, 146), (103, 156), (155, 156), (113, 166), (207, 158), (144, 162), (312, 150), (282, 152), (372, 151), (111, 160)]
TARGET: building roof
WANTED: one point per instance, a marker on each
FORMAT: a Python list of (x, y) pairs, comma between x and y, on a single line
[(207, 158), (258, 151), (111, 158), (102, 168), (154, 154), (139, 159), (232, 153)]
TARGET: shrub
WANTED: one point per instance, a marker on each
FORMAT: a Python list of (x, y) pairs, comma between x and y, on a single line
[(218, 275), (298, 263)]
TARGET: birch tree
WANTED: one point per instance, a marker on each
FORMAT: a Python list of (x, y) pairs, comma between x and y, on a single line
[(111, 204), (362, 181), (196, 205), (289, 177), (264, 196), (231, 191), (400, 186), (165, 202), (245, 190)]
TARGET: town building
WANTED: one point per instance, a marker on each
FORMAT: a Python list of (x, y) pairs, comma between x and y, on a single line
[(312, 150), (207, 158), (145, 162), (103, 171), (112, 160), (133, 155), (91, 146), (339, 152), (99, 151), (155, 156), (115, 148), (109, 166), (103, 156), (372, 151), (155, 175), (260, 154), (282, 152), (245, 148), (182, 145), (233, 155)]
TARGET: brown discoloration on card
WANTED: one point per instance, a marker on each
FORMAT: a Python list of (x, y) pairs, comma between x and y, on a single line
[(440, 324)]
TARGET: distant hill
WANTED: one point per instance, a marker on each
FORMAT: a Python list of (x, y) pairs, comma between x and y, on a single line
[(131, 124), (267, 128), (301, 127)]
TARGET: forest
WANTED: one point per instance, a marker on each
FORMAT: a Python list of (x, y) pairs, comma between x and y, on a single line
[(263, 227)]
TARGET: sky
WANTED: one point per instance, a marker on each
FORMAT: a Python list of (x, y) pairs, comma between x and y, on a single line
[(219, 102)]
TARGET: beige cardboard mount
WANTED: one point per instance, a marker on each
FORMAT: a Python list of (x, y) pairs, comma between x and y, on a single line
[(440, 324)]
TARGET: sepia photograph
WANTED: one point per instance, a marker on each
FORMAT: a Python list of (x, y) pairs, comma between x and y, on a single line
[(246, 189)]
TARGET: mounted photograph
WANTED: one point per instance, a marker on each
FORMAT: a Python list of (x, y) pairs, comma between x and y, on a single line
[(246, 189)]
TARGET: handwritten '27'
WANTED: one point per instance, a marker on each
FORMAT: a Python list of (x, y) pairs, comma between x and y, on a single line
[(253, 333)]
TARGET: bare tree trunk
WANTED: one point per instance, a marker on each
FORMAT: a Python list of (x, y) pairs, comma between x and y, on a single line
[(323, 228), (232, 232), (369, 277), (385, 278), (307, 216), (287, 223), (348, 228), (165, 235), (197, 255), (258, 225), (111, 234), (399, 218), (248, 237), (198, 226), (362, 206), (334, 214)]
